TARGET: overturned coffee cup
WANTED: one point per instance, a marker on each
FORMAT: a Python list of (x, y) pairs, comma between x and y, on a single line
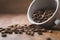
[(41, 6)]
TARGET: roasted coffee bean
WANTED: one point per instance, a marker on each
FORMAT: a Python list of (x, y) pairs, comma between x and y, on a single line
[(1, 29), (25, 25), (29, 30), (40, 33), (4, 35), (3, 32), (8, 28), (20, 32), (11, 26), (48, 38), (8, 32), (16, 32)]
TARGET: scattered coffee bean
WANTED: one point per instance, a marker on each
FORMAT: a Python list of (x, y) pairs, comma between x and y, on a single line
[(20, 32), (16, 32), (1, 29), (11, 26), (8, 28), (40, 33), (3, 32), (48, 38), (29, 30), (25, 25), (4, 35), (9, 32)]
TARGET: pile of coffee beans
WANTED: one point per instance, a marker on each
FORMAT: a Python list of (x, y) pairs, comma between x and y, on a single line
[(42, 15), (29, 30)]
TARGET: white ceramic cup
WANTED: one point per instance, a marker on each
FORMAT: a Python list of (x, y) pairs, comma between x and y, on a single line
[(38, 4)]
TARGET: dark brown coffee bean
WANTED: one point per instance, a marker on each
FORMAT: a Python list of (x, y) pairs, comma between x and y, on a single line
[(8, 32), (3, 32), (16, 32), (48, 38), (20, 32), (25, 25), (40, 33), (1, 29), (11, 26), (8, 28), (4, 35)]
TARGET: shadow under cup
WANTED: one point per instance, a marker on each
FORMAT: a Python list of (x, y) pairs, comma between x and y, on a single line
[(39, 4)]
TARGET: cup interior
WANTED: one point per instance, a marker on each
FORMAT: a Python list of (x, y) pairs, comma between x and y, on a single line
[(39, 4)]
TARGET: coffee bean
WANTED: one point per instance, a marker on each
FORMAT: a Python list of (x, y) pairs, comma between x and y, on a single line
[(25, 25), (48, 38), (16, 32), (20, 32), (4, 35), (40, 33), (11, 26), (3, 32), (29, 30), (8, 28), (1, 29), (8, 32)]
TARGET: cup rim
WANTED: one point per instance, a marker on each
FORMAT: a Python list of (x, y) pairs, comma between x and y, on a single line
[(43, 21)]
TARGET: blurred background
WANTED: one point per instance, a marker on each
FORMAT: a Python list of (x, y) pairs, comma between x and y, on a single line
[(14, 6)]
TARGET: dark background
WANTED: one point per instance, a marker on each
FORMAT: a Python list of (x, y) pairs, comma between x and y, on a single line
[(14, 6)]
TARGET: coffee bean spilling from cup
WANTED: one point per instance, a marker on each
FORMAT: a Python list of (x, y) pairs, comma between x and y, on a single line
[(42, 15), (29, 30)]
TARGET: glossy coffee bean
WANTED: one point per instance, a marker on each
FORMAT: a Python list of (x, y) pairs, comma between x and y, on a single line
[(40, 33), (48, 38), (4, 35)]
